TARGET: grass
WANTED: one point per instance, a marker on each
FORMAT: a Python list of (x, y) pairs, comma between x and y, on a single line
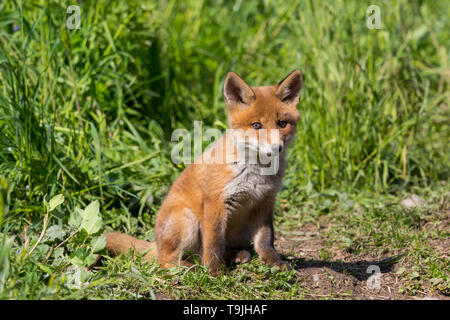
[(88, 113)]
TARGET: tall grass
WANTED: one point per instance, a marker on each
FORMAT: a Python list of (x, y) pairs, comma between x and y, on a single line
[(89, 112)]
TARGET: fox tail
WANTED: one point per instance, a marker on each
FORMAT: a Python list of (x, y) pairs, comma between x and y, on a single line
[(117, 243)]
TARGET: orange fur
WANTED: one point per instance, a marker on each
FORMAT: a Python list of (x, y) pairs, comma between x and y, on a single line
[(216, 210)]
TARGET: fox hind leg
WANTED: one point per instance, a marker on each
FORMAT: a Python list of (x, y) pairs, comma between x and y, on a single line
[(237, 256), (177, 237)]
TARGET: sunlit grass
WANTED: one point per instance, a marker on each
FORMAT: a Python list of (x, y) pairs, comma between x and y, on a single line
[(88, 113)]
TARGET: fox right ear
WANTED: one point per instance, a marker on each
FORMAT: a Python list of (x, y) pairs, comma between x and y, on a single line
[(237, 91), (289, 89)]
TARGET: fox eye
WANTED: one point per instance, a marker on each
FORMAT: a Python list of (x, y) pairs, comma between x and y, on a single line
[(282, 123), (257, 125)]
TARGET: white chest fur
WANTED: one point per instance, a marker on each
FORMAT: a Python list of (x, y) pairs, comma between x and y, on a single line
[(249, 186)]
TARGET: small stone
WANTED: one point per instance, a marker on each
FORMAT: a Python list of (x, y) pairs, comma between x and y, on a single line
[(413, 201)]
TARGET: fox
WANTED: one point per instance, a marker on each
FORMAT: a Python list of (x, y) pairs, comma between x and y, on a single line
[(217, 210)]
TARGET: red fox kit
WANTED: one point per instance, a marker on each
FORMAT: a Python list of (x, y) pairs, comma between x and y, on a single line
[(216, 209)]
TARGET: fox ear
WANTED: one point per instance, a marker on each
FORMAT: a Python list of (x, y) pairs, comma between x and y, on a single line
[(288, 90), (236, 90)]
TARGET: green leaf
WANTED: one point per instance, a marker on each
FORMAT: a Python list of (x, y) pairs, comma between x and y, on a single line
[(41, 251), (92, 221), (77, 258), (98, 243), (44, 268), (275, 269), (400, 270), (436, 281), (3, 200), (90, 259), (75, 218), (5, 247), (59, 258), (347, 241), (2, 213), (55, 233), (77, 276), (92, 209), (309, 188), (82, 258), (54, 202)]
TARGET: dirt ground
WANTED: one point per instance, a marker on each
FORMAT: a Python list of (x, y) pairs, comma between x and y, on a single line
[(346, 275)]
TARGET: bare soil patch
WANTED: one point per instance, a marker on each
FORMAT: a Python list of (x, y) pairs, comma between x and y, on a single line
[(347, 275)]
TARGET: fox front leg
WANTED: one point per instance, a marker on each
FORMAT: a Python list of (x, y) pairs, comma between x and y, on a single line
[(263, 243), (213, 239)]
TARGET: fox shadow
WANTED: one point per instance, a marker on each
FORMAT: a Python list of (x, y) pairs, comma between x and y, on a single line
[(361, 269)]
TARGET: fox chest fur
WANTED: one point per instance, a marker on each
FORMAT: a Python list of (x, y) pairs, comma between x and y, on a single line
[(249, 187), (243, 196)]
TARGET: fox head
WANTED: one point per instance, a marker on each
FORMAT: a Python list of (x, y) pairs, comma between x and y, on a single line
[(267, 116)]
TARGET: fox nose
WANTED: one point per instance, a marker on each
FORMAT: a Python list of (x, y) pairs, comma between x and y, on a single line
[(275, 148)]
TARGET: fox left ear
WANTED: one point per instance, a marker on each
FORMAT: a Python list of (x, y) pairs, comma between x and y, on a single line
[(288, 90), (236, 91)]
